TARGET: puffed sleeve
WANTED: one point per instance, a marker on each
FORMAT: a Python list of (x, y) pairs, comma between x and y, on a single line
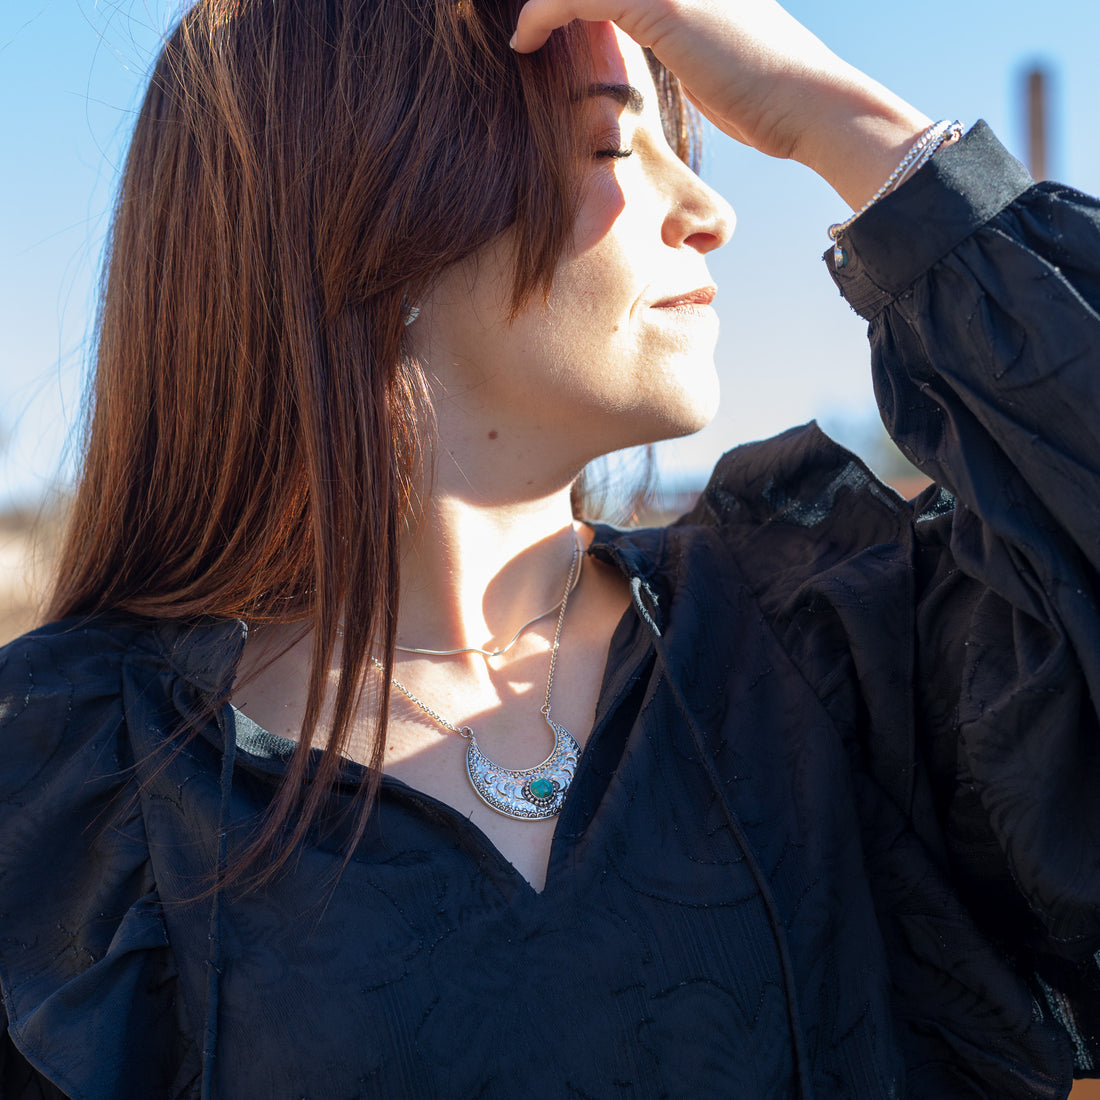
[(983, 299), (86, 971)]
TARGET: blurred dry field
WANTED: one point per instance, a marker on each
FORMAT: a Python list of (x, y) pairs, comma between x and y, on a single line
[(27, 541)]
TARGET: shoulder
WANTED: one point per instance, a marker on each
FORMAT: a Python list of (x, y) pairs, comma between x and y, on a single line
[(88, 645), (60, 690), (64, 739), (76, 696), (826, 554), (76, 667), (798, 511), (799, 487), (782, 517), (85, 962), (82, 702)]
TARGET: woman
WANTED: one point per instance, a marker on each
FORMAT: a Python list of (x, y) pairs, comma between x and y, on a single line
[(816, 818)]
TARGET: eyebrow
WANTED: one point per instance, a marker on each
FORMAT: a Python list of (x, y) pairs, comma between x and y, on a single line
[(626, 95)]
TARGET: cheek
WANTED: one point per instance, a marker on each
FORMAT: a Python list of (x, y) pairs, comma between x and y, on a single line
[(597, 286), (600, 208)]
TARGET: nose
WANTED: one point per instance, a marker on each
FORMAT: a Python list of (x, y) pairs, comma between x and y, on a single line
[(698, 216)]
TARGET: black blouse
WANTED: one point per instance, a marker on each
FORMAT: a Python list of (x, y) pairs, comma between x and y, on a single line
[(834, 833)]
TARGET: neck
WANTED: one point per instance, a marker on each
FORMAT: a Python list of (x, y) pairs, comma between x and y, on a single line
[(473, 572), (492, 541)]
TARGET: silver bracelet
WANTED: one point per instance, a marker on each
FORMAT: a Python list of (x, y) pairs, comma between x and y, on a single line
[(952, 133), (920, 153)]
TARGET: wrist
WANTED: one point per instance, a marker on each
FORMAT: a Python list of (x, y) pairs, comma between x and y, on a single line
[(916, 156), (858, 139)]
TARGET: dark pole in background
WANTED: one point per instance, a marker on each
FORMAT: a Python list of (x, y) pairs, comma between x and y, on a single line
[(1037, 90)]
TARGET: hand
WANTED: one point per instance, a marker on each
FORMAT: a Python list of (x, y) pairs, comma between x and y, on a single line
[(761, 78)]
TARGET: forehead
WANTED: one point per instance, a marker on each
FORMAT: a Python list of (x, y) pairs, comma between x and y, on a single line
[(618, 59)]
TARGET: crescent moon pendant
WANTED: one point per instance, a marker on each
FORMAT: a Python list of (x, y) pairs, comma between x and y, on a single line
[(532, 794)]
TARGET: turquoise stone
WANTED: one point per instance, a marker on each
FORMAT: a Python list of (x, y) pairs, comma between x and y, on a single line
[(542, 788)]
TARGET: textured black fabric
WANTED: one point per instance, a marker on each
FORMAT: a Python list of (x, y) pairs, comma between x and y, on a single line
[(837, 806)]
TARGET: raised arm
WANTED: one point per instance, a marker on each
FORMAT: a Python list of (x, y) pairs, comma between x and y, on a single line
[(763, 79)]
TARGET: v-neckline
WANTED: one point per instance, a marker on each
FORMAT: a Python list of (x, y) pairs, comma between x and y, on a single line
[(627, 639)]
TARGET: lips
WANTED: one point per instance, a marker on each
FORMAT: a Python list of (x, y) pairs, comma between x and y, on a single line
[(693, 299)]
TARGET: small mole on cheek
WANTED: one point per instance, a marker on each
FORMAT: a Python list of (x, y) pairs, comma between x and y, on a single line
[(615, 328), (493, 433)]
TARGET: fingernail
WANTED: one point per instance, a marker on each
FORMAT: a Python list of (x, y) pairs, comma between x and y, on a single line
[(512, 41)]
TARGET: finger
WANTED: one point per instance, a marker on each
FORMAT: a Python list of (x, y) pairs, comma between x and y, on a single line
[(539, 18)]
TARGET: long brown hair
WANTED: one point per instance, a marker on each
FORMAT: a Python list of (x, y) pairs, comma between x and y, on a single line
[(300, 173)]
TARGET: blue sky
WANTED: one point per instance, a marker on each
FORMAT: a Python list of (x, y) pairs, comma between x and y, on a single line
[(71, 72)]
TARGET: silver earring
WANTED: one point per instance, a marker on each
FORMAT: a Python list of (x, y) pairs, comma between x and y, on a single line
[(411, 312)]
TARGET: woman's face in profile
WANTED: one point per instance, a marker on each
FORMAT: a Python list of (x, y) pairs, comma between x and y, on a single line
[(622, 351)]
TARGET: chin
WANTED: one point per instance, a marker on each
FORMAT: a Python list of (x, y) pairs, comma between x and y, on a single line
[(670, 415), (690, 401)]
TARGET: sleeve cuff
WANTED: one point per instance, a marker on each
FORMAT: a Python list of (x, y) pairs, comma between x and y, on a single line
[(904, 234)]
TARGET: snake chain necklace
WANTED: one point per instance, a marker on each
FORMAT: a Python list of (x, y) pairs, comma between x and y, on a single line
[(528, 794)]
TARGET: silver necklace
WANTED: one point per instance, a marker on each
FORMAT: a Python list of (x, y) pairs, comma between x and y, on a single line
[(529, 794), (515, 637)]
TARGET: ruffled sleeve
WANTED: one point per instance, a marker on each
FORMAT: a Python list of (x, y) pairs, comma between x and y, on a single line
[(955, 640), (983, 297), (87, 975)]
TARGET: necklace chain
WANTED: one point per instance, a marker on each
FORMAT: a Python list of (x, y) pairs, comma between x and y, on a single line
[(574, 569), (422, 705), (465, 731)]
